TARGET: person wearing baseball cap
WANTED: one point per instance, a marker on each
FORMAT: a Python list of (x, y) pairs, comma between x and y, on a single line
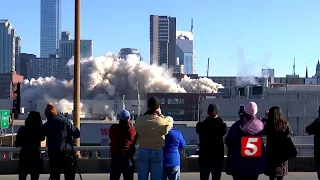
[(123, 138), (211, 147), (152, 128)]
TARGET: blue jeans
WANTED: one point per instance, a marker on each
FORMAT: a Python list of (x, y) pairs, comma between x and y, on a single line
[(171, 173), (150, 160)]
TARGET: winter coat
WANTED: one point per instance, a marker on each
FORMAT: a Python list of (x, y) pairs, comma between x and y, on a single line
[(152, 129), (275, 139), (211, 148), (30, 158), (123, 138), (314, 129), (236, 164), (173, 142)]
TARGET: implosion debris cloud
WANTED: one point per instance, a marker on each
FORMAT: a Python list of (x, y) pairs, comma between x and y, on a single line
[(108, 78)]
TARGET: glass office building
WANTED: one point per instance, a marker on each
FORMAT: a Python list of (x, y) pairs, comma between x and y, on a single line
[(50, 23)]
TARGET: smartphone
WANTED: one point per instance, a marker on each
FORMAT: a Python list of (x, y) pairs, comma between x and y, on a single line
[(241, 107)]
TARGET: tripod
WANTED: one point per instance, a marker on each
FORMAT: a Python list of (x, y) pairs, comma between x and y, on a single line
[(75, 162)]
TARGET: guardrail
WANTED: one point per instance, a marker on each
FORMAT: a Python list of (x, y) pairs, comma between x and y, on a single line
[(103, 148)]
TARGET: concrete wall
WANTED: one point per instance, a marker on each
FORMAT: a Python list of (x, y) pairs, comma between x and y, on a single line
[(299, 108), (300, 164)]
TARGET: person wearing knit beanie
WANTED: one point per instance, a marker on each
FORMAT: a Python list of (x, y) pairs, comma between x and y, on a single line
[(59, 132), (251, 108), (50, 111)]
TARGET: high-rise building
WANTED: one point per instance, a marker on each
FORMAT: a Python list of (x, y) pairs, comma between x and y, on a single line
[(66, 50), (50, 27), (163, 40), (185, 53), (8, 47), (125, 52), (46, 67), (17, 54), (24, 63)]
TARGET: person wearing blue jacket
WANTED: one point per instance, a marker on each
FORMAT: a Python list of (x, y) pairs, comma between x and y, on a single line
[(171, 156)]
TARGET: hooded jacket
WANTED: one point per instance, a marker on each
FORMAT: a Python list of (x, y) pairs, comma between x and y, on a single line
[(237, 165), (211, 147)]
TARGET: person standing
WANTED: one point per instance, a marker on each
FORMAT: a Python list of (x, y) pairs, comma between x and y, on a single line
[(123, 138), (152, 128), (59, 132), (171, 156), (280, 147), (29, 138), (211, 148), (239, 167), (314, 129)]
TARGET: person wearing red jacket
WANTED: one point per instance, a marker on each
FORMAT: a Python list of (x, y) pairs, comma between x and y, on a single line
[(123, 138)]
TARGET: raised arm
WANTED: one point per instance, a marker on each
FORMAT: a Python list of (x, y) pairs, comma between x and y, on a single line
[(75, 132)]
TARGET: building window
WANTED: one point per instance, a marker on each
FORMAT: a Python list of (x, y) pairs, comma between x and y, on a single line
[(174, 111), (163, 100), (175, 101)]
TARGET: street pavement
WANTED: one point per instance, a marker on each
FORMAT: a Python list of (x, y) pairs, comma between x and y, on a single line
[(184, 176)]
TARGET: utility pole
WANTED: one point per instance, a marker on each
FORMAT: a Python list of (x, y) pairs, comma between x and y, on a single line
[(123, 103), (76, 81), (138, 94)]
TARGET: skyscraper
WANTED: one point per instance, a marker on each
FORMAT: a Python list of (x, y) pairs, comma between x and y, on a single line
[(66, 49), (185, 52), (50, 27), (163, 40), (8, 47)]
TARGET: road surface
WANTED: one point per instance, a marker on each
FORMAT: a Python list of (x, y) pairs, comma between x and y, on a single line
[(184, 176)]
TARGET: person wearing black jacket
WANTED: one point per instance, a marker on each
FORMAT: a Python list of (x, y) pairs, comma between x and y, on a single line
[(211, 148), (29, 138), (59, 132), (314, 129)]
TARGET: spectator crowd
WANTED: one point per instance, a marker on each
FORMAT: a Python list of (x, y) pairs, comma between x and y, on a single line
[(159, 144)]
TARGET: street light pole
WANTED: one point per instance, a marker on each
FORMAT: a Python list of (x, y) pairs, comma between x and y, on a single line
[(76, 80), (138, 94), (123, 102)]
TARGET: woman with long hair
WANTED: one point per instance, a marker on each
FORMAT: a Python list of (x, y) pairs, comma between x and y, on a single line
[(279, 144), (29, 138)]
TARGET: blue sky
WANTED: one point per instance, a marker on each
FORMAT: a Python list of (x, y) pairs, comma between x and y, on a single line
[(269, 34)]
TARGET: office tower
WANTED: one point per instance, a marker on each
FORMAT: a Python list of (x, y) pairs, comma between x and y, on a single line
[(24, 63), (50, 27), (8, 39), (186, 57), (17, 54), (124, 52), (46, 67), (66, 50), (163, 40)]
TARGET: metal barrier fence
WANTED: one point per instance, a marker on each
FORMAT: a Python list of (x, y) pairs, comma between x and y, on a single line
[(305, 150)]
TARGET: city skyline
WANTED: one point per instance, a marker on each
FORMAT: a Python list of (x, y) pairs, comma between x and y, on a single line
[(265, 40)]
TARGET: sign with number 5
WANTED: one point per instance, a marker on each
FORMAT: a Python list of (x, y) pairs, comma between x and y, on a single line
[(251, 146)]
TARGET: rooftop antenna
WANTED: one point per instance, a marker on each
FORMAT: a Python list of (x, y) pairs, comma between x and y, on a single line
[(191, 25), (307, 72), (208, 66), (294, 66)]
